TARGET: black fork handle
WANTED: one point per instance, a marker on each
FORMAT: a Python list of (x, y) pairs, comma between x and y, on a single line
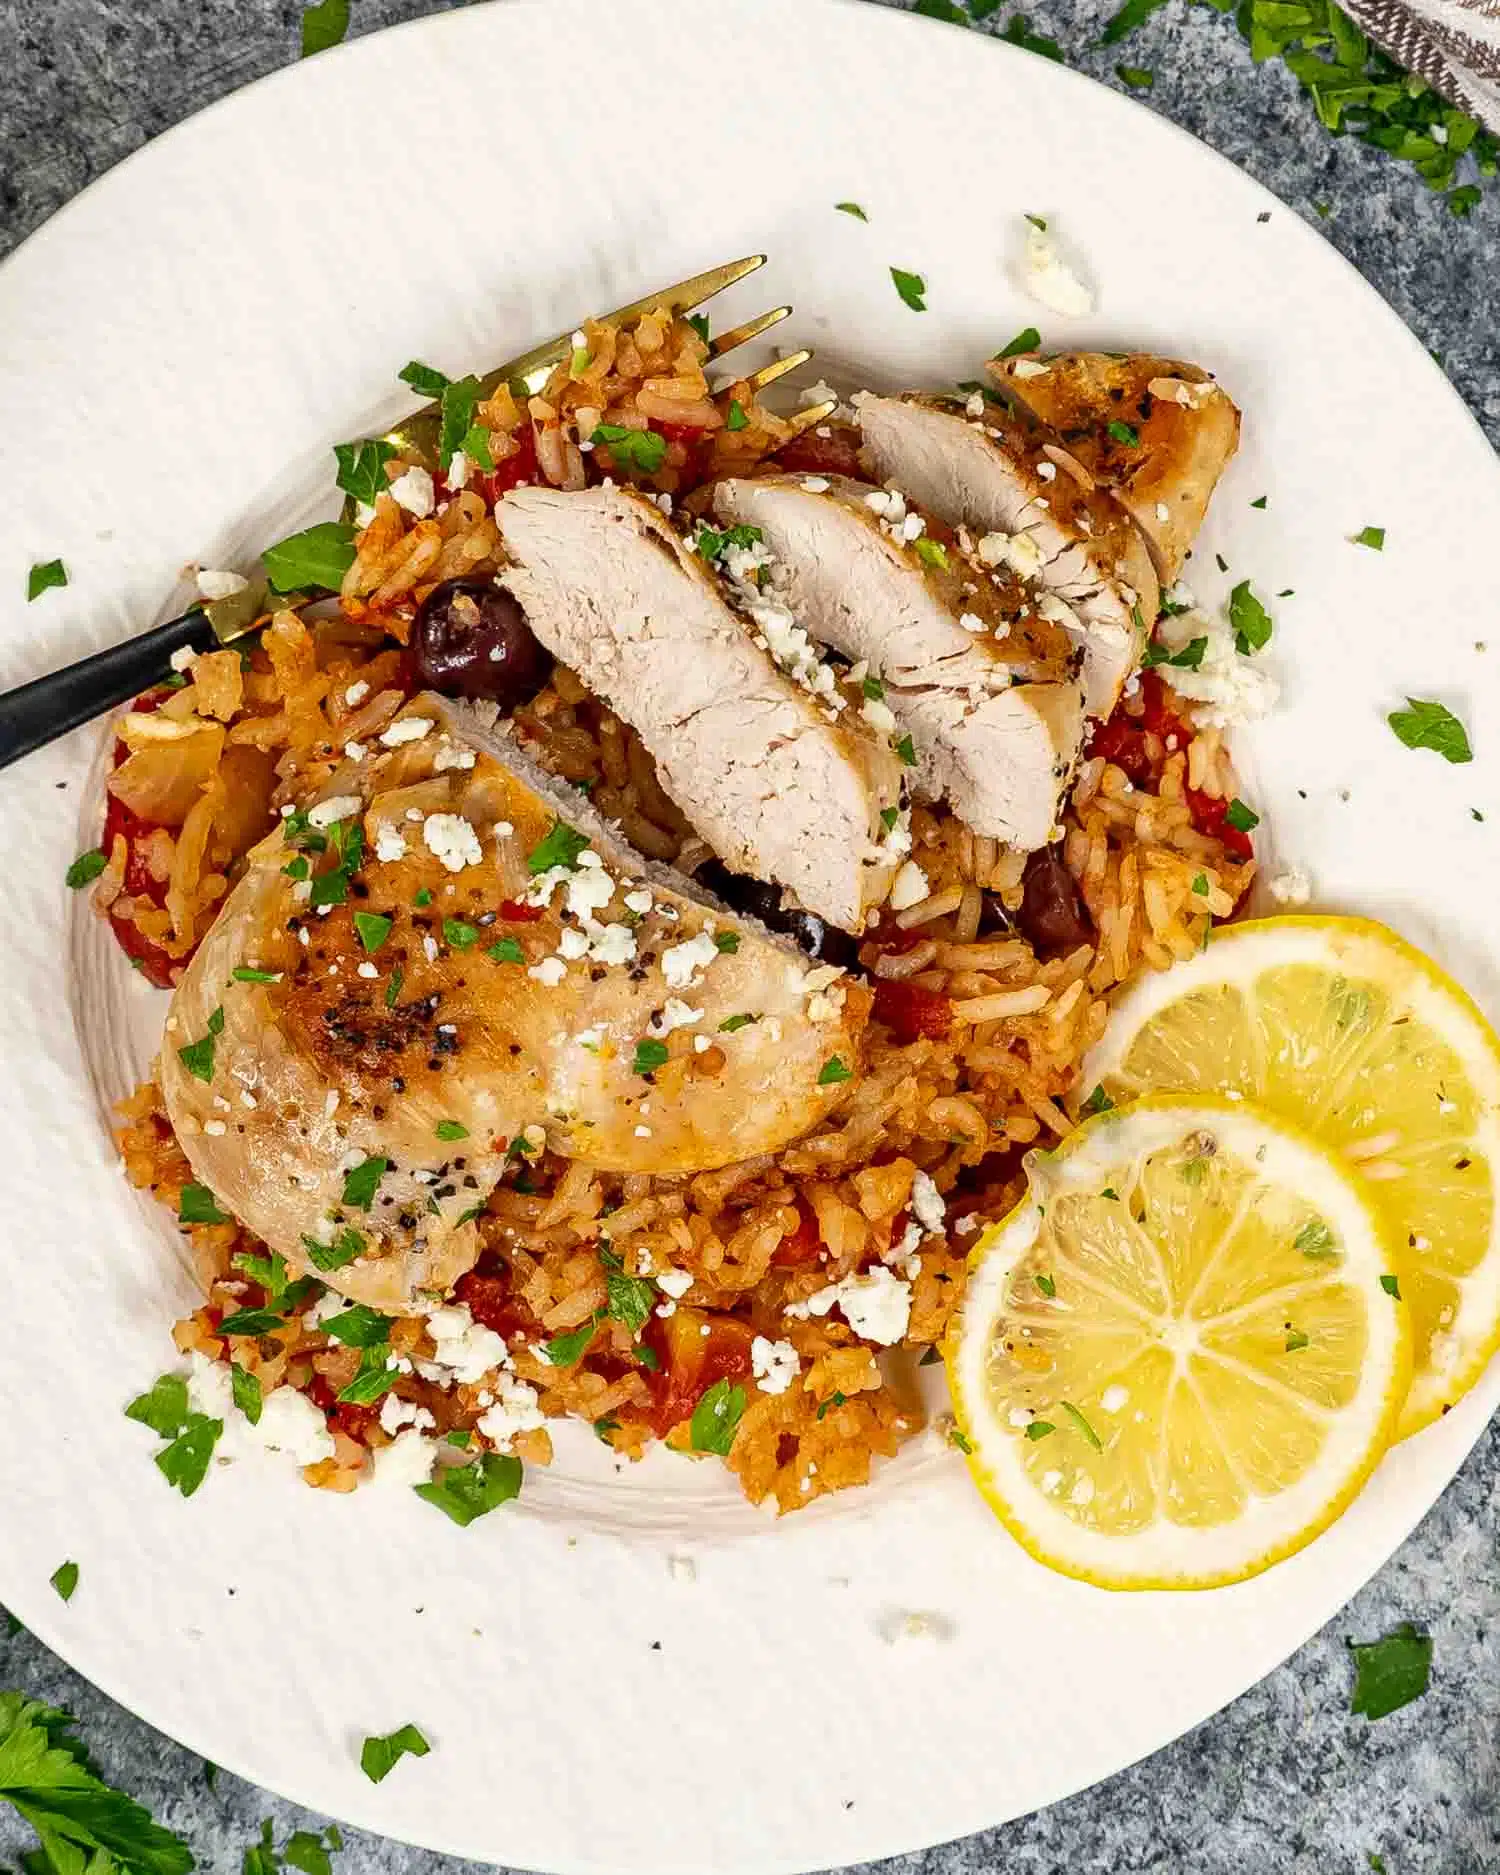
[(40, 712)]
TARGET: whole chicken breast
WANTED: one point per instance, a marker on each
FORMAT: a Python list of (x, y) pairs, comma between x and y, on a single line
[(448, 963)]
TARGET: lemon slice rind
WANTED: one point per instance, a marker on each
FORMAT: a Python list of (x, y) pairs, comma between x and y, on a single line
[(1363, 949), (1168, 1555)]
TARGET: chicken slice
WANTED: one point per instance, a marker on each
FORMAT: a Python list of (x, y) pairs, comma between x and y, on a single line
[(976, 466), (1155, 432), (778, 782), (503, 973), (952, 645)]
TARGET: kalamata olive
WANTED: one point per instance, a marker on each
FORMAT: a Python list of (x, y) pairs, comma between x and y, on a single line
[(472, 640), (1052, 915), (758, 899)]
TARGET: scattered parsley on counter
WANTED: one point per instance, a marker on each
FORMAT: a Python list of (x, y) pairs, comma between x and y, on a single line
[(85, 869), (379, 1756), (1391, 1672), (912, 288), (1426, 724), (45, 574), (184, 1463), (65, 1579), (716, 1419)]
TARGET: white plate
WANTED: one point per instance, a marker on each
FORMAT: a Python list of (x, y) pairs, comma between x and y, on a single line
[(183, 344)]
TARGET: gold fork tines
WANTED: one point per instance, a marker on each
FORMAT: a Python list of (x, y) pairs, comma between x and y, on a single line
[(418, 435)]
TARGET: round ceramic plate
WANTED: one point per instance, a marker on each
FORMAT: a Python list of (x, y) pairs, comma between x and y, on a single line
[(633, 1671)]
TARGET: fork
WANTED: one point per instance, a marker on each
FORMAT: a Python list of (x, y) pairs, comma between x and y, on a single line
[(39, 712)]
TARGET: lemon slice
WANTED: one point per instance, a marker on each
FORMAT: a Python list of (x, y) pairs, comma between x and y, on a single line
[(1176, 1361), (1339, 1026)]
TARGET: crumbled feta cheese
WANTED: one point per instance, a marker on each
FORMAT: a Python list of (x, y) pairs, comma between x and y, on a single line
[(356, 693), (516, 1410), (212, 583), (815, 484), (573, 945), (775, 1364), (971, 621), (367, 969), (675, 1283), (450, 838), (406, 1462), (589, 888), (674, 1014), (549, 972), (289, 1422), (338, 807), (876, 1305), (681, 963), (396, 1413), (975, 405), (406, 729), (613, 944), (1229, 689), (1030, 368), (389, 843), (450, 755), (355, 751), (927, 1205), (465, 1349), (909, 887), (1048, 278), (413, 490), (458, 470), (879, 715), (1292, 887), (639, 901)]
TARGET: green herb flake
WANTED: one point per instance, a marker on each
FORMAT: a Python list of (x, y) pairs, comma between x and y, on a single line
[(649, 1056), (164, 1409), (567, 1350), (907, 752), (244, 973), (736, 418), (873, 688), (889, 816), (184, 1463), (198, 1057), (1189, 658), (699, 323), (833, 1071), (912, 288), (362, 469), (374, 1379), (1315, 1239), (372, 928), (196, 1204), (246, 1390), (1427, 724), (1391, 1672), (631, 1300), (43, 576), (1259, 502), (716, 1419), (348, 1246), (1240, 817), (1045, 1283), (1133, 14), (315, 560), (1391, 1285), (726, 942), (460, 397), (1097, 1102), (732, 1024), (1123, 433), (451, 1129), (1373, 537), (1039, 222), (252, 1323), (379, 1756), (84, 870), (1028, 339), (423, 898), (1251, 622), (360, 1326), (475, 446), (851, 208), (361, 1184), (1084, 1429), (1296, 1341), (1138, 77), (643, 450), (1200, 884), (958, 1437), (324, 24), (65, 1579), (507, 951), (425, 380), (466, 1492), (558, 847), (1039, 1428), (460, 936), (393, 988)]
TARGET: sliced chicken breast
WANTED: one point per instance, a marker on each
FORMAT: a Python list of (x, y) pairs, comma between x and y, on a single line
[(774, 778), (949, 647), (476, 967), (1154, 431), (979, 468)]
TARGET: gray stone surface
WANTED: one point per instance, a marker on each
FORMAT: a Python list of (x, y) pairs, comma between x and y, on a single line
[(1285, 1782)]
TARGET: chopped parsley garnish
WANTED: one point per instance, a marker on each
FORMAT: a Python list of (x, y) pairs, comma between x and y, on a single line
[(198, 1057), (1124, 433), (1391, 1672), (464, 1492), (65, 1579), (164, 1408), (1082, 1425), (649, 1056), (462, 1438), (960, 1439), (716, 1419), (347, 1247), (731, 1024), (458, 935), (1391, 1285), (360, 1185), (243, 973), (1138, 77), (907, 752), (1045, 1283), (45, 574), (324, 24), (378, 1756), (851, 208), (85, 869), (507, 951), (1426, 724), (889, 816), (425, 380), (373, 928), (1251, 621), (1240, 817), (912, 288), (246, 1391), (1314, 1239), (1259, 502), (644, 450), (874, 689), (833, 1071), (1097, 1102), (1039, 222), (711, 542), (931, 553), (1370, 537), (736, 419), (360, 1327), (374, 1379), (1028, 339), (197, 1205), (558, 847), (315, 560), (393, 988), (567, 1350), (631, 1299), (423, 897), (458, 401), (184, 1463), (1039, 1428), (252, 1322), (362, 468), (475, 444), (1200, 884), (699, 323), (834, 1399), (451, 1129), (726, 942), (1296, 1341), (297, 868), (1134, 13), (1189, 658)]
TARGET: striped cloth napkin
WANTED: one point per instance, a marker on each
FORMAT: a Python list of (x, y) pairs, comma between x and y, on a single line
[(1453, 44)]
